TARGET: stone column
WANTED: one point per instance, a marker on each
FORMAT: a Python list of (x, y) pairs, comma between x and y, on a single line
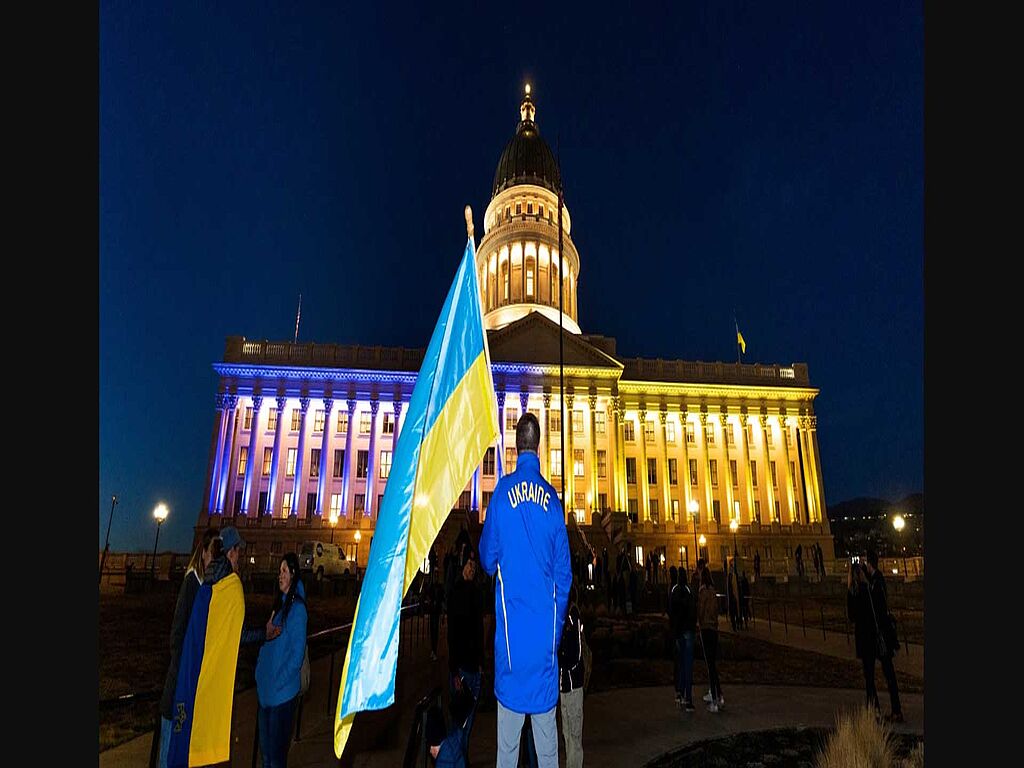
[(707, 464), (325, 449), (620, 446), (744, 421), (545, 457), (641, 470), (346, 470), (397, 405), (570, 476), (594, 495), (500, 467), (768, 468), (371, 462), (726, 474), (815, 457), (226, 468), (666, 488), (297, 501), (684, 479), (789, 482), (211, 506), (275, 459), (254, 428), (611, 462)]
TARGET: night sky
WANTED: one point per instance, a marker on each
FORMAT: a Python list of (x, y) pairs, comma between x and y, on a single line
[(758, 158)]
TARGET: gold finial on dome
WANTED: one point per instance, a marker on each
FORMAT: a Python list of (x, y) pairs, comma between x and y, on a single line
[(526, 109)]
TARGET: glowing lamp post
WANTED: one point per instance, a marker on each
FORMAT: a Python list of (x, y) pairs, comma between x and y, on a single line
[(106, 546), (733, 526), (359, 537), (159, 514), (898, 523), (702, 541), (334, 522)]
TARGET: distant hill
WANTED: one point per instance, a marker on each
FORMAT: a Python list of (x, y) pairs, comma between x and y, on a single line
[(863, 523), (866, 507)]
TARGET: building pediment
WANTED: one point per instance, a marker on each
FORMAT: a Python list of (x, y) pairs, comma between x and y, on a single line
[(533, 340)]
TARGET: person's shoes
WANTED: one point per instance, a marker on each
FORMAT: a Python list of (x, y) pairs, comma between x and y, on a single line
[(689, 706), (712, 707), (679, 699), (707, 697), (721, 702)]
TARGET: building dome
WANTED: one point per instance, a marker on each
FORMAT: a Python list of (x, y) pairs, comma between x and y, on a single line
[(527, 159)]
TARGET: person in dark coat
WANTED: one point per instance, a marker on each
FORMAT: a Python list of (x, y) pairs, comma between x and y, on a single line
[(466, 640), (866, 605), (682, 612)]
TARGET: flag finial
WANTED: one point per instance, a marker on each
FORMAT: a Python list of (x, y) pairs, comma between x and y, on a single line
[(469, 222)]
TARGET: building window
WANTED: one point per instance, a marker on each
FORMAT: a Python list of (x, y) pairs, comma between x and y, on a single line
[(339, 462), (631, 470), (261, 505), (693, 472), (529, 277), (247, 420), (272, 420), (359, 502), (670, 431), (555, 420), (709, 430), (314, 462), (342, 422), (237, 509), (364, 423), (690, 438), (713, 464), (602, 463), (602, 501), (268, 458), (753, 474), (777, 512), (796, 510), (652, 471), (649, 430), (335, 505), (675, 510), (673, 475), (511, 418), (577, 422), (487, 499), (580, 507), (290, 471), (385, 465), (556, 462), (489, 462), (286, 504), (464, 500), (730, 435), (734, 474), (627, 430), (296, 419), (599, 423), (750, 434), (519, 209), (654, 509), (380, 502), (577, 462), (757, 510), (510, 460), (243, 458), (633, 508), (775, 477), (318, 420), (541, 210), (362, 464), (768, 434), (388, 427), (716, 510), (529, 209)]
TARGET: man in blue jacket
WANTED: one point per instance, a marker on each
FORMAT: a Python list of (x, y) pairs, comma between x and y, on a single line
[(524, 540)]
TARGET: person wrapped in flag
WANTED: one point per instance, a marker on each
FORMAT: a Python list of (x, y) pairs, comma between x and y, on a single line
[(205, 689), (452, 420), (525, 543)]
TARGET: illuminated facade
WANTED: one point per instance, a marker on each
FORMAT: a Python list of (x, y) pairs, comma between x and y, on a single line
[(304, 433)]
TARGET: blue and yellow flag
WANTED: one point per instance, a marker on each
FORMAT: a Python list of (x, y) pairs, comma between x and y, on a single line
[(201, 728), (740, 341), (451, 422)]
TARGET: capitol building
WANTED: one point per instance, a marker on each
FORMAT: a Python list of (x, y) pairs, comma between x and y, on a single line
[(660, 455)]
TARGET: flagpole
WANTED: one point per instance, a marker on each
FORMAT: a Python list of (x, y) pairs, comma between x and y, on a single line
[(298, 314), (736, 325)]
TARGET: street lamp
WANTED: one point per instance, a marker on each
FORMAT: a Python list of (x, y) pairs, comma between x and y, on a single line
[(334, 522), (733, 525), (359, 537), (898, 523), (703, 541), (106, 545), (693, 508), (160, 513)]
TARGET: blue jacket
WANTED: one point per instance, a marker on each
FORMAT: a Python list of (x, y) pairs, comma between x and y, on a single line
[(279, 662), (524, 540)]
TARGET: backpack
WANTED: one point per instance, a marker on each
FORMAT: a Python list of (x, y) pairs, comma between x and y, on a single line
[(304, 673)]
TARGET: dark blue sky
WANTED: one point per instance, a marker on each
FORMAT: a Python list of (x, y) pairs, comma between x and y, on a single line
[(762, 157)]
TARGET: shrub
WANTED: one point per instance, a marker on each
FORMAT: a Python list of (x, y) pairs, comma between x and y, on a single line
[(859, 741)]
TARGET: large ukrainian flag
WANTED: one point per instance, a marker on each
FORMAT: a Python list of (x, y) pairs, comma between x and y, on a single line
[(452, 419), (201, 728)]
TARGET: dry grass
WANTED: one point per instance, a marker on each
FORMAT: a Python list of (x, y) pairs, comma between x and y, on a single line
[(859, 741)]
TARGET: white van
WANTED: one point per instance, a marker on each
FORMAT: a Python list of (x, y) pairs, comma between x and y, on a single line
[(323, 559)]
